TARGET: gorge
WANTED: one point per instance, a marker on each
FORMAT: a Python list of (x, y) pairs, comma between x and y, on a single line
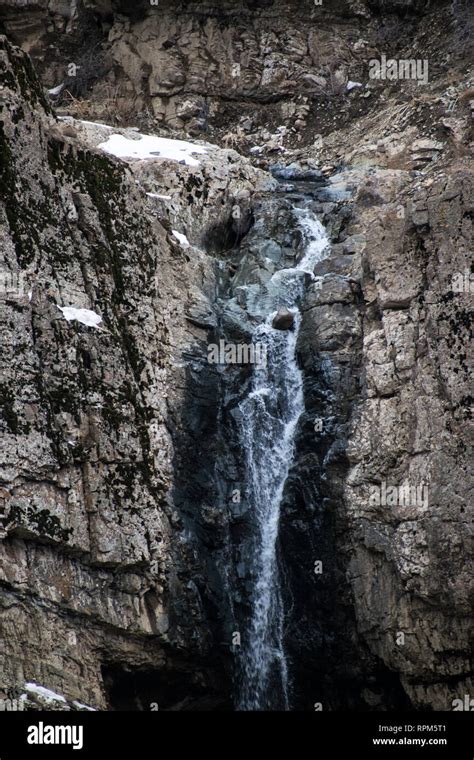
[(199, 534)]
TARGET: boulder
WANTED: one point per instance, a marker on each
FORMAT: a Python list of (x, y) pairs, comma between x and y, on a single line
[(284, 319)]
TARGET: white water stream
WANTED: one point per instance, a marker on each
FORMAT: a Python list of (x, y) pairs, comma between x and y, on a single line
[(270, 416)]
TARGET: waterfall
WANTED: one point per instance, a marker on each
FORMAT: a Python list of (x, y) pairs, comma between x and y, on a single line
[(269, 418)]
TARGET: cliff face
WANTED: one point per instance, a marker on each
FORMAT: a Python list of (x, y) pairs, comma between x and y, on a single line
[(98, 575), (408, 569), (125, 562), (204, 66)]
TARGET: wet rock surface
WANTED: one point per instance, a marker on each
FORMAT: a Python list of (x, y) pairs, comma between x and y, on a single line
[(283, 320)]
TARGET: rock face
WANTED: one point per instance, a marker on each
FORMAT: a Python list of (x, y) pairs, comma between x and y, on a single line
[(125, 554), (236, 68), (392, 310), (96, 570), (411, 430)]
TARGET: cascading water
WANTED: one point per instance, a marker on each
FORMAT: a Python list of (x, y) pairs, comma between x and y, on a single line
[(269, 419)]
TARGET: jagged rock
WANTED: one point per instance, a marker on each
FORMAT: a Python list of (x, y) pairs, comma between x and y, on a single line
[(330, 289), (201, 312), (426, 145)]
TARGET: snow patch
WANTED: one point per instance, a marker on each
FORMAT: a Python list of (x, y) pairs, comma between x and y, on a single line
[(80, 706), (150, 147), (84, 316), (89, 123), (161, 197), (181, 238), (47, 694), (56, 90)]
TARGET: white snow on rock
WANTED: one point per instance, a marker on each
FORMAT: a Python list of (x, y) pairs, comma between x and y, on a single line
[(150, 147), (89, 123), (56, 90), (350, 85), (41, 691), (161, 197), (85, 316), (181, 238), (80, 706)]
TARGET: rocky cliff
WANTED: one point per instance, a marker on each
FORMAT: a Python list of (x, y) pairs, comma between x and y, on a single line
[(126, 560)]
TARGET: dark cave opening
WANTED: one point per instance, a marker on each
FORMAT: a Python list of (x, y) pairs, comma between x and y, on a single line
[(143, 690), (130, 689), (228, 234)]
